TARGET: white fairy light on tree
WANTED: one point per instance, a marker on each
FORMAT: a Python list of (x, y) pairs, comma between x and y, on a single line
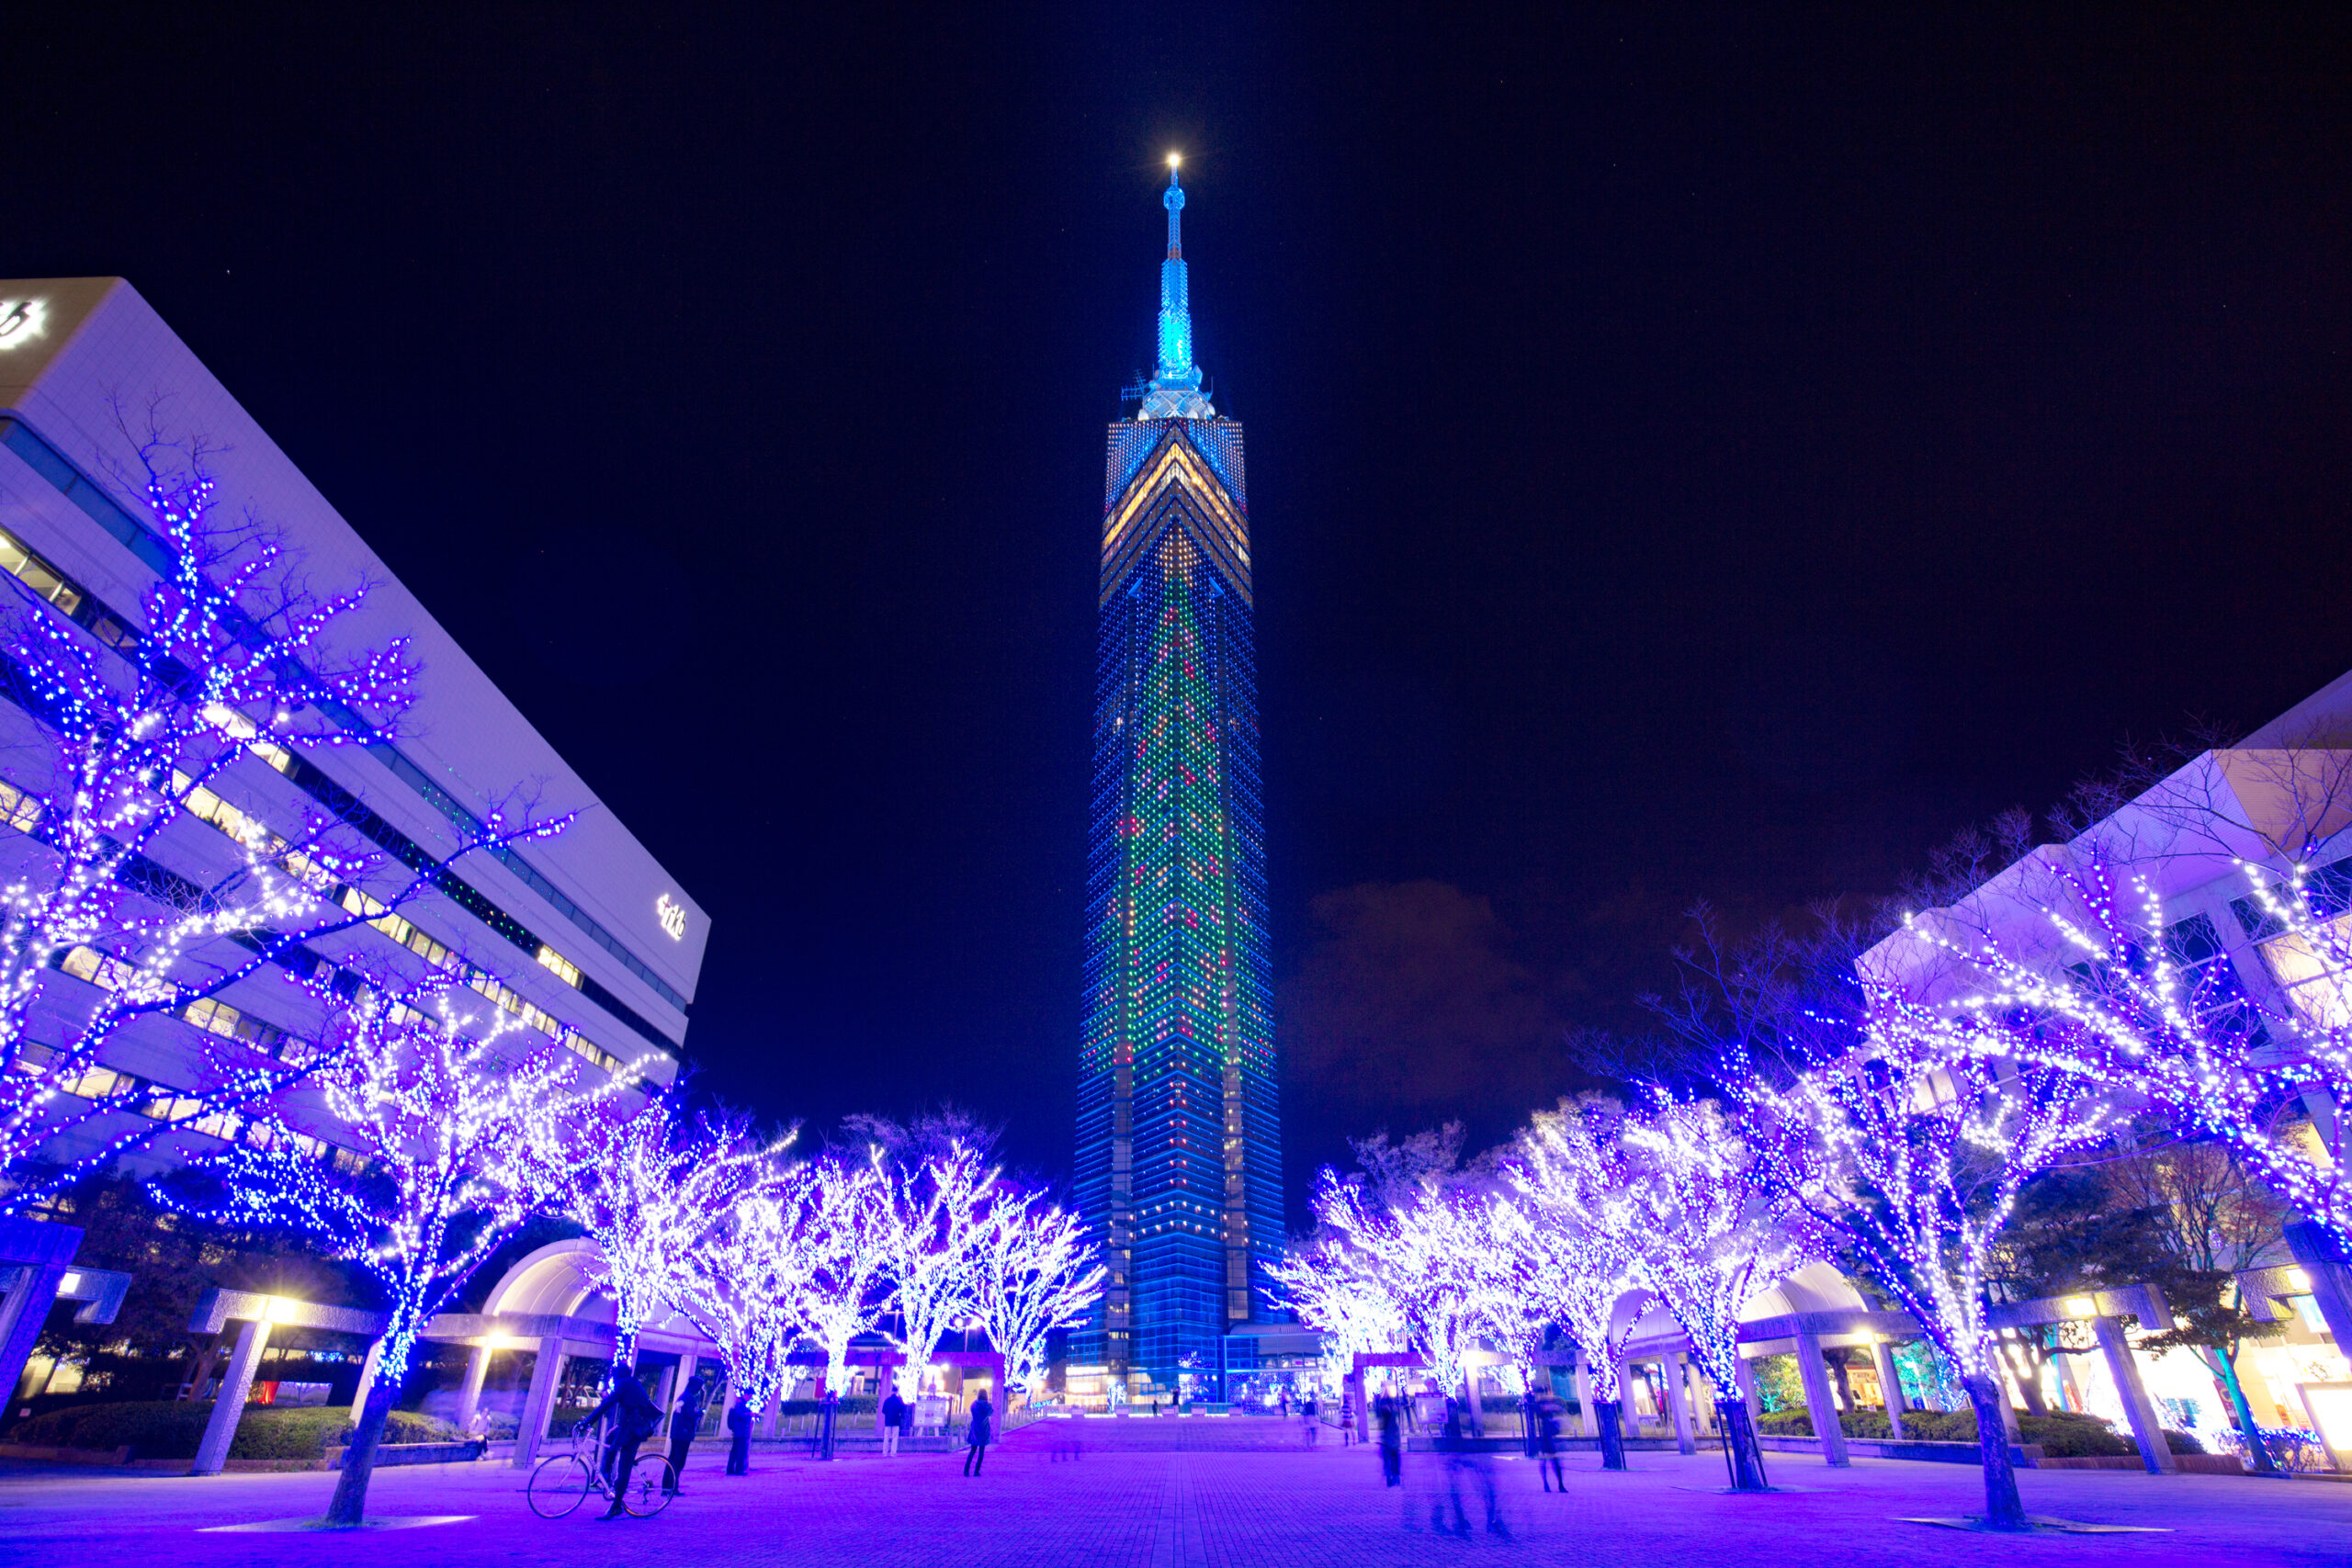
[(1910, 1148), (1579, 1241), (845, 1217), (744, 1282), (940, 1202), (648, 1189), (1711, 1240), (1037, 1273)]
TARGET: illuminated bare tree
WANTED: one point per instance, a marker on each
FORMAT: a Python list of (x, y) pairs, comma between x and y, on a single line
[(206, 712), (444, 1114), (1037, 1273)]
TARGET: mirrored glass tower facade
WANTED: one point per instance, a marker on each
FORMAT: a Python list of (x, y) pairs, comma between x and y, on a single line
[(1179, 1139)]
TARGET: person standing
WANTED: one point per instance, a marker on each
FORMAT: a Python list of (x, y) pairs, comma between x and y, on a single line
[(1308, 1407), (894, 1421), (635, 1418), (684, 1427), (976, 1438), (1392, 1441), (739, 1433), (1547, 1443)]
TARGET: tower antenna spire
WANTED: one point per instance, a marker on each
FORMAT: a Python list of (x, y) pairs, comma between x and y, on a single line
[(1175, 388)]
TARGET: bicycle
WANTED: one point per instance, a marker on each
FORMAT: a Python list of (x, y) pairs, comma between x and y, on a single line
[(562, 1481)]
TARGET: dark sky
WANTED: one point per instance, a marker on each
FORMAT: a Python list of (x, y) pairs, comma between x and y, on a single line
[(1693, 453)]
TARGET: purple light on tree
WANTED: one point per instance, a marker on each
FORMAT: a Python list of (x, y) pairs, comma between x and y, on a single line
[(1910, 1147), (648, 1189), (445, 1115), (136, 729)]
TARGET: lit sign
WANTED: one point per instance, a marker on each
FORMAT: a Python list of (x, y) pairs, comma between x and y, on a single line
[(673, 916), (21, 322)]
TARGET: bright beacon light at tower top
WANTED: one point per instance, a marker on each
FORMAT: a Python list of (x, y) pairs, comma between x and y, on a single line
[(1174, 159)]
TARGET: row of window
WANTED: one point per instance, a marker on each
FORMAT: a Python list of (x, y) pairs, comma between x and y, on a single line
[(207, 806), (162, 1102)]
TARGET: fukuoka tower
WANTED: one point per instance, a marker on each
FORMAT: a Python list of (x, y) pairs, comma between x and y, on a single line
[(1179, 1141)]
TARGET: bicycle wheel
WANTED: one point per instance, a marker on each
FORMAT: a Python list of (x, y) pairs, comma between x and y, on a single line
[(557, 1485), (652, 1484)]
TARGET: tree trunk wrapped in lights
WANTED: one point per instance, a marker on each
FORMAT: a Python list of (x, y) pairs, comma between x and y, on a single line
[(1712, 1239)]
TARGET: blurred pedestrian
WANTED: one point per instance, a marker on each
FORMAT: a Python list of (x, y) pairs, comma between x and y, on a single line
[(1548, 1412), (1392, 1440), (1309, 1407), (1462, 1460), (894, 1421)]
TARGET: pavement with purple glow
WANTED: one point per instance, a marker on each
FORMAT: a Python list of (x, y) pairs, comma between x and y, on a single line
[(1175, 1493)]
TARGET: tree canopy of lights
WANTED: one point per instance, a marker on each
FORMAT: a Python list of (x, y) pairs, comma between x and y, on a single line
[(1712, 1239), (446, 1115), (234, 676), (746, 1281), (1578, 1239), (2135, 999), (1909, 1147), (648, 1189), (1420, 1226), (851, 1241), (1037, 1273), (939, 1196)]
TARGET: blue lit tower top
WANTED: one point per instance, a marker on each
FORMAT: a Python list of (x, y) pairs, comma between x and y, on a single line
[(1175, 390)]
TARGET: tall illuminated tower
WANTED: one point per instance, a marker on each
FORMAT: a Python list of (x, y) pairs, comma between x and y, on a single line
[(1179, 1139)]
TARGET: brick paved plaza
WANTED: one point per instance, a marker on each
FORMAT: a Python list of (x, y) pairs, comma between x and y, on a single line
[(1174, 1494)]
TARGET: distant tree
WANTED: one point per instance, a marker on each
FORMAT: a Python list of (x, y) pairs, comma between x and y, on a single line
[(171, 1258), (2068, 1234), (2210, 1219)]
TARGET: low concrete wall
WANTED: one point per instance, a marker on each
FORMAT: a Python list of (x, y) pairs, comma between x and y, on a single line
[(2025, 1456), (388, 1454), (2194, 1465)]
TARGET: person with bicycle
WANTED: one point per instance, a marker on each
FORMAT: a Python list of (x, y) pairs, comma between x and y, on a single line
[(634, 1419)]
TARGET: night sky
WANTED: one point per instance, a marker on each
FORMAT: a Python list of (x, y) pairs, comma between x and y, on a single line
[(1693, 453)]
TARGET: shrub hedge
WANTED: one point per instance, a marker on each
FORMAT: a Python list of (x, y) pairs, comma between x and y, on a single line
[(2061, 1434), (172, 1429)]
